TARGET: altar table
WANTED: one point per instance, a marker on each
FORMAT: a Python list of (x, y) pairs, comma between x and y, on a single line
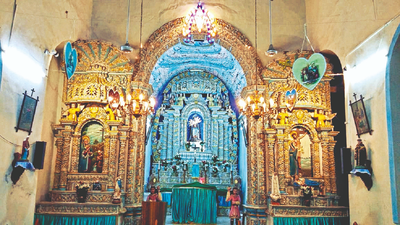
[(194, 203)]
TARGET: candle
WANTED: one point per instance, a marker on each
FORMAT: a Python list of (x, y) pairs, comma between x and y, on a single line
[(231, 167)]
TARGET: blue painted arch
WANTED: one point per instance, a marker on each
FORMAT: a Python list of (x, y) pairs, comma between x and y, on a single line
[(213, 59)]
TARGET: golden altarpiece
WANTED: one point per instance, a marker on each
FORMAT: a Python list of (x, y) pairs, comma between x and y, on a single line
[(114, 138)]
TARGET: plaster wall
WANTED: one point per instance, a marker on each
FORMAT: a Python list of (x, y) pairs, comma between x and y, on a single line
[(38, 25), (365, 75)]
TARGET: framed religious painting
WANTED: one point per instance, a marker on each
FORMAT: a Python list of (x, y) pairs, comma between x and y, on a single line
[(27, 113), (360, 116)]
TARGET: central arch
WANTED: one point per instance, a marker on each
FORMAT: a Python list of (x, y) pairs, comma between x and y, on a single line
[(170, 34)]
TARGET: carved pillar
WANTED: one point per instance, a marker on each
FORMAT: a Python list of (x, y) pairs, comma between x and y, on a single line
[(130, 173), (138, 167), (57, 170), (332, 172), (75, 153), (226, 141), (260, 154), (170, 137), (163, 136), (271, 155), (316, 160), (252, 172), (122, 155), (176, 134), (207, 127), (112, 155), (214, 138), (220, 139), (65, 158), (325, 165), (106, 154), (183, 133), (281, 159)]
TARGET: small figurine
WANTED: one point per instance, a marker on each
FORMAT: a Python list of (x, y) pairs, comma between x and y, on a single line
[(360, 154), (72, 111), (110, 113), (117, 194), (97, 186), (154, 196), (25, 149), (234, 214), (282, 116)]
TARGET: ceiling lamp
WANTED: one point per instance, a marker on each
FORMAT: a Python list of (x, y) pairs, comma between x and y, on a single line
[(126, 48), (271, 50), (199, 20), (138, 104), (254, 105)]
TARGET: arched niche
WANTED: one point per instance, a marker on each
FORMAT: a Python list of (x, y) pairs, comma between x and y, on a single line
[(170, 34)]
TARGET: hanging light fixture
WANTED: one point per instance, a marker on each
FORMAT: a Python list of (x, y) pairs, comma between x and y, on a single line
[(254, 105), (126, 47), (138, 103), (197, 21), (271, 50)]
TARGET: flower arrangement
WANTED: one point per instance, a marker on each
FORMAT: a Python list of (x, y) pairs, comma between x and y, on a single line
[(81, 191), (214, 171), (175, 170), (307, 193), (215, 159)]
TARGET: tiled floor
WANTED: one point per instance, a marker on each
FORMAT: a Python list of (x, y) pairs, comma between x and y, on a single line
[(220, 220)]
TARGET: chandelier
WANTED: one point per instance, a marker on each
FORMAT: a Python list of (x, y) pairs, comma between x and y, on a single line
[(254, 105), (137, 103), (199, 20)]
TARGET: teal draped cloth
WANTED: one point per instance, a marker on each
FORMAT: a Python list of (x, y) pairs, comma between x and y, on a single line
[(194, 203), (74, 220), (311, 221)]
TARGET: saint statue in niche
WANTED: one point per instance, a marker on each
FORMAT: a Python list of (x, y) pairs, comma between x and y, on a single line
[(195, 129), (294, 148)]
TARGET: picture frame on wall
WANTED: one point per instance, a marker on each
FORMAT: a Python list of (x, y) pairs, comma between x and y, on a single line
[(27, 113), (360, 116)]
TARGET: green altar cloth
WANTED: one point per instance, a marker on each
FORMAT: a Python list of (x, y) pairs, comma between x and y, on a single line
[(194, 203)]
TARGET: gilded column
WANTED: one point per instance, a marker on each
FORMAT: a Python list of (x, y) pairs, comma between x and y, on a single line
[(122, 155), (130, 173), (316, 160), (106, 154), (139, 162), (65, 158), (75, 153), (271, 155), (281, 160), (260, 154), (167, 137), (207, 131), (332, 172), (112, 159), (252, 172), (57, 170)]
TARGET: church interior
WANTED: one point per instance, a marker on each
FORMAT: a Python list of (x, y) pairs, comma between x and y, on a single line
[(200, 112)]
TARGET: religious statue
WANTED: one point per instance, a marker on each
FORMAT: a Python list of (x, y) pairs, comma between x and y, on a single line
[(294, 147), (321, 117), (110, 113), (215, 100), (154, 196), (282, 116), (210, 100), (180, 100), (195, 129), (25, 149), (360, 154), (72, 111), (234, 214), (87, 153), (117, 194), (275, 193)]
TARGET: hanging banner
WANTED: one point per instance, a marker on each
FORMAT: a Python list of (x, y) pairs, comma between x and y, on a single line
[(70, 59), (309, 72)]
